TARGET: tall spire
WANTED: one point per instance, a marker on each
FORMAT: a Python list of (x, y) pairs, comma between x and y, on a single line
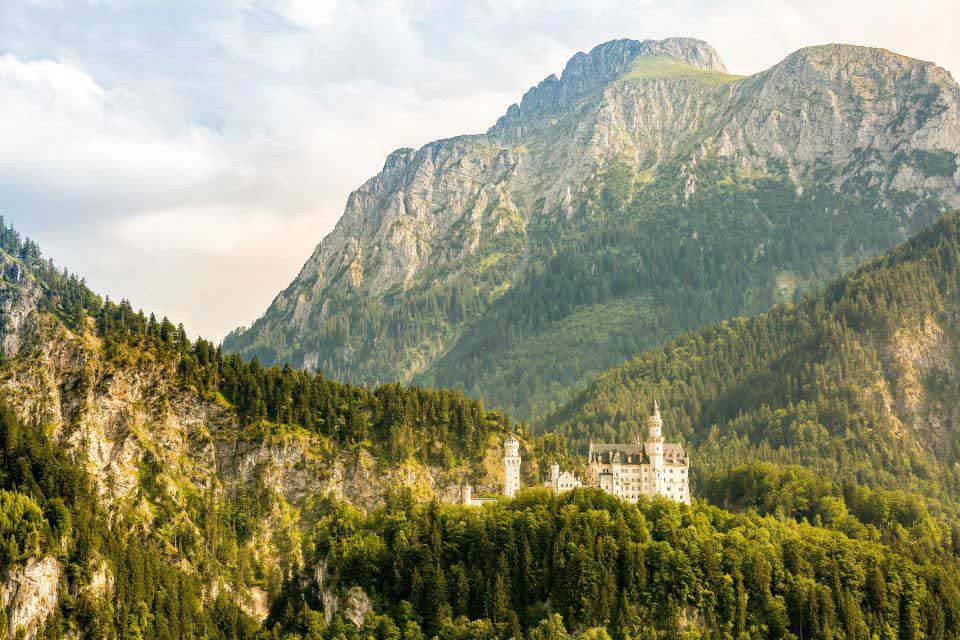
[(655, 424)]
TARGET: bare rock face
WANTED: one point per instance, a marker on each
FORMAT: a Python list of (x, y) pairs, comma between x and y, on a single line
[(19, 299), (354, 601), (462, 216), (28, 594), (357, 605), (586, 73)]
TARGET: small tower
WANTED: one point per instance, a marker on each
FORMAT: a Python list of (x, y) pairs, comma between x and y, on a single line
[(555, 477), (655, 446), (511, 467)]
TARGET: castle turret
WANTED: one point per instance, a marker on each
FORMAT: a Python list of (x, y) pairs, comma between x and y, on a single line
[(511, 467), (654, 446)]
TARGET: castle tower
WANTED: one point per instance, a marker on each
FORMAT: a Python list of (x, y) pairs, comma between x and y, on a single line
[(654, 447), (555, 477), (511, 467)]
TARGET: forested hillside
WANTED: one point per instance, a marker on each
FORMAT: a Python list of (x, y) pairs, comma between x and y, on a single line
[(150, 487), (391, 420), (859, 382), (589, 565)]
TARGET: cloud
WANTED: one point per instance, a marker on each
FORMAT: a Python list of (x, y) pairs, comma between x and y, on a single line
[(190, 158)]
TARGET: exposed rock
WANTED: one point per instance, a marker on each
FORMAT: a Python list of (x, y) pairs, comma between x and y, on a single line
[(258, 606), (101, 583), (357, 605), (29, 593), (19, 295), (355, 601)]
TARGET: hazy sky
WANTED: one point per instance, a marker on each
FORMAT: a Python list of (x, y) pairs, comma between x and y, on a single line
[(189, 156)]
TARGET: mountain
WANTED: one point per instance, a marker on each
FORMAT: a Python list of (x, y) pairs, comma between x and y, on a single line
[(643, 193), (858, 383)]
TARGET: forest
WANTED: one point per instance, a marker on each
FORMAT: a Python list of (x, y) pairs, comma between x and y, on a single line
[(589, 565), (433, 426), (818, 383)]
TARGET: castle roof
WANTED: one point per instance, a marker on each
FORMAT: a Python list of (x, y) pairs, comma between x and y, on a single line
[(624, 453)]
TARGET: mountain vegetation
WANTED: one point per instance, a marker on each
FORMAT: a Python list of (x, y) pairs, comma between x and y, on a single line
[(586, 564), (397, 421), (860, 540), (857, 382), (825, 426), (189, 523)]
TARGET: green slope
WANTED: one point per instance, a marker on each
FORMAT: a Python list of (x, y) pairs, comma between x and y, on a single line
[(737, 245), (858, 382), (191, 518), (870, 562), (587, 565)]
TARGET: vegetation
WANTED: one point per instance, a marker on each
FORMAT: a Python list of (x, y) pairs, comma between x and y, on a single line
[(819, 383), (397, 422), (48, 506), (833, 524), (674, 243), (588, 564), (645, 68), (676, 261)]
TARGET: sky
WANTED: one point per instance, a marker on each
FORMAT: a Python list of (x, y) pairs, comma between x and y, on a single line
[(189, 155)]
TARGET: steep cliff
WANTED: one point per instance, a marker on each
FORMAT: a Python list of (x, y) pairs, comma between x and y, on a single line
[(519, 263)]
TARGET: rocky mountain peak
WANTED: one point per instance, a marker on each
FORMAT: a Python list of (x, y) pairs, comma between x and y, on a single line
[(840, 61), (585, 73)]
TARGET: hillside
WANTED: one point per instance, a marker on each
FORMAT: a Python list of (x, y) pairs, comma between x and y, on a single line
[(643, 193), (150, 485), (587, 565), (857, 383)]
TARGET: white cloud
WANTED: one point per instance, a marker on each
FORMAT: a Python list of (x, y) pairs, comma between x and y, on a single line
[(191, 158)]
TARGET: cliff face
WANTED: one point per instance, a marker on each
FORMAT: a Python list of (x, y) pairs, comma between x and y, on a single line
[(28, 594), (427, 249)]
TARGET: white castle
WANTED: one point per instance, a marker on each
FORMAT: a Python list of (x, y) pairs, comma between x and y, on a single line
[(561, 481), (649, 468), (628, 471)]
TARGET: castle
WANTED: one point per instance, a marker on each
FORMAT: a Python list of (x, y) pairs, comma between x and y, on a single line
[(649, 468), (628, 471)]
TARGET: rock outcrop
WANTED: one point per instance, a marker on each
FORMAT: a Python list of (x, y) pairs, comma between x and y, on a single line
[(28, 594)]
